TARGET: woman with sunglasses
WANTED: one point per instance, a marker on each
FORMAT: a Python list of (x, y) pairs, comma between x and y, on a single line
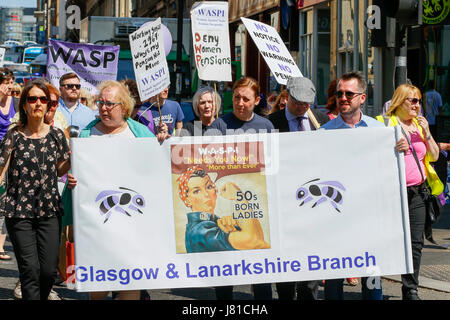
[(38, 154), (405, 111), (16, 90)]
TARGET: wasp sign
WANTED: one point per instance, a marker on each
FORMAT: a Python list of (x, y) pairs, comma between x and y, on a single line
[(210, 211), (92, 63)]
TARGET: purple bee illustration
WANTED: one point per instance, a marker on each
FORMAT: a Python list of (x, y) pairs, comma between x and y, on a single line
[(322, 191), (120, 201)]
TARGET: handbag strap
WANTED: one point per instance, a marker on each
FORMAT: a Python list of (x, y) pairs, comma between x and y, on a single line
[(413, 152)]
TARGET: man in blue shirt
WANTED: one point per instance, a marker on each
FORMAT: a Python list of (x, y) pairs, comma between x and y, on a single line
[(350, 96), (76, 113)]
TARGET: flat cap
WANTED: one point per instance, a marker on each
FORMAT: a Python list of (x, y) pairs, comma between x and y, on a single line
[(301, 89)]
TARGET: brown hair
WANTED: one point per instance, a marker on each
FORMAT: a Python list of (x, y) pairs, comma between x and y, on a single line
[(23, 98), (362, 84), (247, 82), (6, 74), (66, 76), (331, 95), (276, 105)]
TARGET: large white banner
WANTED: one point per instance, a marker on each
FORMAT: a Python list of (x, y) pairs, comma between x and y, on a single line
[(272, 48), (212, 211), (211, 40), (149, 59)]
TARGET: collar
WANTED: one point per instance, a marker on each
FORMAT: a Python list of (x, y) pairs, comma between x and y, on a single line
[(290, 116), (62, 104)]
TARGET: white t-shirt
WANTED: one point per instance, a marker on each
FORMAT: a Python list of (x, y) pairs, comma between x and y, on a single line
[(127, 133)]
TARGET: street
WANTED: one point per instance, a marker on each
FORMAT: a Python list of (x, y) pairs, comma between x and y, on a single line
[(434, 281)]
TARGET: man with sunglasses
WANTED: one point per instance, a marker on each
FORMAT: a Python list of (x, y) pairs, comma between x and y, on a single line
[(76, 113), (350, 96)]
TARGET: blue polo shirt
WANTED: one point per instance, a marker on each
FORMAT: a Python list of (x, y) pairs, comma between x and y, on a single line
[(81, 115), (339, 123)]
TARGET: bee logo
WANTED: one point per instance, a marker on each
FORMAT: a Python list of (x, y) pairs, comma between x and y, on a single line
[(120, 201), (322, 191)]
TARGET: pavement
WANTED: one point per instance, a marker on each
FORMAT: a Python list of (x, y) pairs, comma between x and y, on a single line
[(434, 276)]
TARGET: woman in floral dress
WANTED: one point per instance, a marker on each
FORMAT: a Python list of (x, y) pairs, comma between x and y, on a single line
[(38, 154)]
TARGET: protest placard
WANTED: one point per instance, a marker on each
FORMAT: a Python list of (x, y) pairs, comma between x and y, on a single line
[(207, 211), (149, 59), (273, 50), (92, 63), (211, 40)]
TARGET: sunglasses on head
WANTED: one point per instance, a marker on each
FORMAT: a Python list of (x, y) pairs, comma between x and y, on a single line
[(34, 99), (348, 94), (72, 86)]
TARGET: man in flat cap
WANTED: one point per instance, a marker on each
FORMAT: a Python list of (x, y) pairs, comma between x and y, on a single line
[(298, 116)]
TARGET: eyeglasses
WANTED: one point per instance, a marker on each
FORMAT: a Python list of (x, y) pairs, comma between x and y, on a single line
[(109, 105), (348, 94), (34, 99), (72, 86), (414, 100)]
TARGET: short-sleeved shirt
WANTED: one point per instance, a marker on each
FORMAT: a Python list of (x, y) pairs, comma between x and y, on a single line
[(32, 181), (230, 124), (171, 113)]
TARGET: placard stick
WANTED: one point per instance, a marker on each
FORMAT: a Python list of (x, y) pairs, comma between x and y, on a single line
[(215, 102)]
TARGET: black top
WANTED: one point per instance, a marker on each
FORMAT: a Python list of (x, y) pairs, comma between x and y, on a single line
[(32, 182)]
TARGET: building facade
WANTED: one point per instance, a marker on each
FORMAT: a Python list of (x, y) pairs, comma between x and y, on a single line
[(17, 24)]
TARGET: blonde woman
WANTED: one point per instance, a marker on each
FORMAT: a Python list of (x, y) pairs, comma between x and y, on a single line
[(418, 141)]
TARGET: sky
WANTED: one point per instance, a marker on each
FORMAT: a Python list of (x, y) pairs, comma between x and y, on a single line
[(18, 3)]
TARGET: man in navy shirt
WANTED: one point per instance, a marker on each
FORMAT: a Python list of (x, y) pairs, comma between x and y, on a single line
[(171, 113)]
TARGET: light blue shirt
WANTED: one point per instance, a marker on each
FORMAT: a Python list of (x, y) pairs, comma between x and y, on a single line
[(339, 123), (293, 122), (81, 116)]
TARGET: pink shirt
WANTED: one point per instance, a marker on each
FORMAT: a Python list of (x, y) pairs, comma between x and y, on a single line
[(413, 177)]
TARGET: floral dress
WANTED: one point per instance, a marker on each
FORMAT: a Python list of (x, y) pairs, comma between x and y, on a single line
[(32, 182)]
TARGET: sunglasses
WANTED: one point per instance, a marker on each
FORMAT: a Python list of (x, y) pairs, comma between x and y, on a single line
[(414, 100), (15, 92), (109, 105), (83, 99), (72, 86), (34, 99), (348, 94)]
